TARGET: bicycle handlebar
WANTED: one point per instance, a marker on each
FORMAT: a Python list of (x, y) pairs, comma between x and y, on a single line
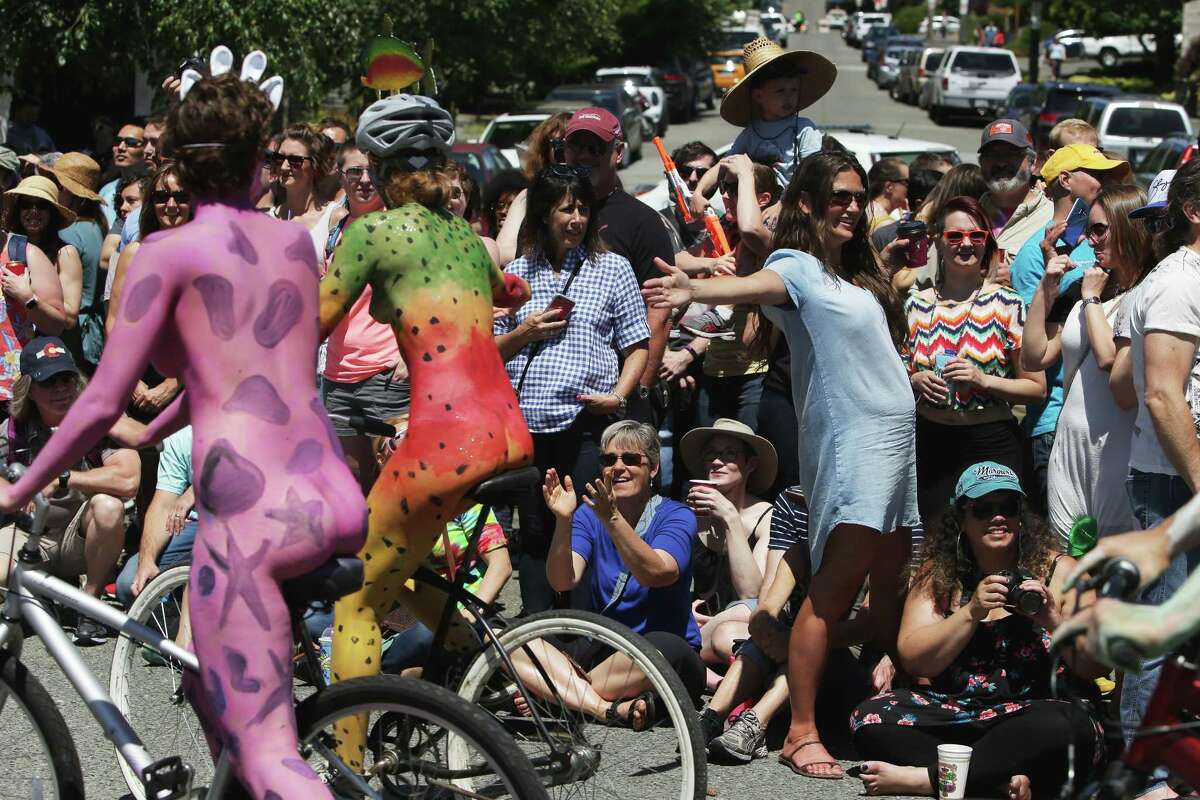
[(365, 425), (1118, 580), (33, 524)]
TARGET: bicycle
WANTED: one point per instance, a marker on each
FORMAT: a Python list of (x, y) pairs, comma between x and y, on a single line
[(1169, 733), (413, 723)]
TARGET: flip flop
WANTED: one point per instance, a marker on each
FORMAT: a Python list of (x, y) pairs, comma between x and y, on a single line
[(800, 769), (613, 718)]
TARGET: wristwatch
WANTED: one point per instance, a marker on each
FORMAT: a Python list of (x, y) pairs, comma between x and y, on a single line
[(643, 392), (1090, 300), (62, 480), (31, 303)]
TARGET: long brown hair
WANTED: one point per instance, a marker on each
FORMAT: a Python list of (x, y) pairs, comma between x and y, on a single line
[(537, 154), (799, 230), (1129, 240)]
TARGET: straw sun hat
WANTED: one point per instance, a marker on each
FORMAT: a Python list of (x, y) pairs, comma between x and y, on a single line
[(39, 188), (692, 445), (816, 72), (79, 174)]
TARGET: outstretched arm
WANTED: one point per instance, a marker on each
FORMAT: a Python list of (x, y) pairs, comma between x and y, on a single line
[(764, 287), (152, 290)]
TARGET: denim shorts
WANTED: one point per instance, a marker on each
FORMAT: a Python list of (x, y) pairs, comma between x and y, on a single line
[(378, 396)]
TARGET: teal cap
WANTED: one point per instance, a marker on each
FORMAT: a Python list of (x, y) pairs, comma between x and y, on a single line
[(984, 478)]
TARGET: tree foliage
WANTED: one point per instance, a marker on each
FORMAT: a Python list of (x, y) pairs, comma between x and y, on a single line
[(1163, 18)]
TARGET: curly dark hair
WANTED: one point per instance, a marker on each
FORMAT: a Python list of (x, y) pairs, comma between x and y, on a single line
[(799, 230), (224, 111), (948, 565)]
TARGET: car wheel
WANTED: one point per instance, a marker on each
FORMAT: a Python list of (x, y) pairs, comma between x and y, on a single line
[(936, 115), (711, 102), (1109, 58), (892, 93)]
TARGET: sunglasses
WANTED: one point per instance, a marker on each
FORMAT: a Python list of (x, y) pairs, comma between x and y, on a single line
[(628, 459), (688, 171), (843, 198), (1096, 231), (568, 171), (955, 237), (354, 174), (162, 196), (985, 509), (725, 456), (128, 141), (58, 379), (275, 160), (34, 205)]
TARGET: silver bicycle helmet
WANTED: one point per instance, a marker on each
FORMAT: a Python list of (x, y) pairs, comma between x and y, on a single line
[(404, 122)]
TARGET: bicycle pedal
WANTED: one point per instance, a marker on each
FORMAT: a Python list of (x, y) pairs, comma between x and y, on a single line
[(168, 779)]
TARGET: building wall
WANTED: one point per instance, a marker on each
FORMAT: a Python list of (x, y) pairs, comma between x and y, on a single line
[(1191, 21)]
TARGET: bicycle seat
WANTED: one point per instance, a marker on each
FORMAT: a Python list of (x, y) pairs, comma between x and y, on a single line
[(337, 577), (507, 487)]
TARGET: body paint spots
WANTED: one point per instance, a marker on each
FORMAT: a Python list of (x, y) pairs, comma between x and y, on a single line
[(305, 458), (217, 295), (216, 693), (206, 579), (238, 569), (299, 767), (281, 694), (301, 249), (284, 306), (141, 297), (257, 397), (302, 519), (229, 484), (240, 244), (237, 673)]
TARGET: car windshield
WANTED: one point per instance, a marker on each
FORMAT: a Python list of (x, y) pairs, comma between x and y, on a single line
[(994, 63), (1145, 122), (508, 134), (1065, 100), (606, 100), (736, 40), (932, 60)]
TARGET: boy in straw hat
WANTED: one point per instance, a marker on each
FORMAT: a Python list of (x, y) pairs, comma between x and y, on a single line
[(766, 104)]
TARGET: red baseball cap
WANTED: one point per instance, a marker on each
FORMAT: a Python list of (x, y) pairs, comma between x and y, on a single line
[(595, 120)]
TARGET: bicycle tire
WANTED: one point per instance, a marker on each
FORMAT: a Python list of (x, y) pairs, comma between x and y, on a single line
[(19, 684), (665, 683), (472, 726), (127, 692)]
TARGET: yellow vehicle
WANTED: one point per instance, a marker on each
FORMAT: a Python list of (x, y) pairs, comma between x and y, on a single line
[(726, 59)]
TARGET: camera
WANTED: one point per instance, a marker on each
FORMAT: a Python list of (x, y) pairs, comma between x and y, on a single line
[(1026, 601)]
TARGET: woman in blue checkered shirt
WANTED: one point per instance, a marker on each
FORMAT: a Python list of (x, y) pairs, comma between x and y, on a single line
[(574, 352)]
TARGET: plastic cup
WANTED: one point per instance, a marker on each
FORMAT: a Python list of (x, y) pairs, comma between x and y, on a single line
[(701, 514), (953, 762), (916, 253), (16, 267)]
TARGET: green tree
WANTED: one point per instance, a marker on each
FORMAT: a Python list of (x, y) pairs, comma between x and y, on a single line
[(1163, 18)]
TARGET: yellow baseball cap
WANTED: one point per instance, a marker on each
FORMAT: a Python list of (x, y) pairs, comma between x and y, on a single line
[(1079, 156)]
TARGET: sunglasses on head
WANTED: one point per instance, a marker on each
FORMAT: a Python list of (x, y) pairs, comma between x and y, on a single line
[(354, 174), (161, 197), (35, 205), (275, 160), (128, 141), (568, 171), (989, 509), (954, 237), (1096, 231), (842, 198), (628, 459)]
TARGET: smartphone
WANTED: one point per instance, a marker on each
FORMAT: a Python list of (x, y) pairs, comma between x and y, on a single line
[(1076, 221), (190, 63), (562, 304)]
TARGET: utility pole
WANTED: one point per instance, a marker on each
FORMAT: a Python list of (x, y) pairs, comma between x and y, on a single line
[(1035, 39)]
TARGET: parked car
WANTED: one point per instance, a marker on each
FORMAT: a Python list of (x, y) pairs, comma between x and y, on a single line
[(973, 80), (1108, 50), (1165, 155), (871, 44), (834, 20), (1132, 126), (887, 60), (1057, 100), (1018, 100), (617, 102), (647, 83), (508, 133), (482, 160), (776, 25), (942, 26), (865, 145), (861, 22), (915, 68), (688, 82)]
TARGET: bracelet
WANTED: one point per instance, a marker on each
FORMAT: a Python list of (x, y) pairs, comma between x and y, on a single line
[(1087, 301), (622, 401), (688, 348)]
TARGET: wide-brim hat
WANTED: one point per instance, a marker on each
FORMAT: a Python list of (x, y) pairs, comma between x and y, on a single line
[(79, 174), (817, 74), (39, 188), (691, 447)]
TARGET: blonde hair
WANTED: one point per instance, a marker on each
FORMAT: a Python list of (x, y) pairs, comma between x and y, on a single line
[(637, 435), (1072, 131), (22, 408)]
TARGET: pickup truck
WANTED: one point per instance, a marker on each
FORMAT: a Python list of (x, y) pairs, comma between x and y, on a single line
[(1108, 50)]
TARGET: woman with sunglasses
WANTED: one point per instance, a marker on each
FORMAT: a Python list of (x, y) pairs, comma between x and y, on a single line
[(302, 164), (564, 348), (854, 409), (963, 351), (978, 619), (31, 210), (1087, 327)]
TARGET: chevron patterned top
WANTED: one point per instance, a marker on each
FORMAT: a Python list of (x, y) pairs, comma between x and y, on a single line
[(986, 330)]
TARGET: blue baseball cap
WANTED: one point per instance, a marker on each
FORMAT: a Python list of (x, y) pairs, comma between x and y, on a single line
[(984, 478)]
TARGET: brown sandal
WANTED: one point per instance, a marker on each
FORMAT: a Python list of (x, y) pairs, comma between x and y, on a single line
[(788, 760)]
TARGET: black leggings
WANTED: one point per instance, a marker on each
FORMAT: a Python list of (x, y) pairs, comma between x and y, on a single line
[(679, 654), (944, 451), (1032, 742)]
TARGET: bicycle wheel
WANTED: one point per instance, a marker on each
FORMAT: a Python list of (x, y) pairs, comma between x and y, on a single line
[(665, 761), (148, 689), (29, 722), (423, 742)]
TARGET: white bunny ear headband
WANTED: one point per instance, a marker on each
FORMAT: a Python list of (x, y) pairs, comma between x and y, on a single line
[(253, 67)]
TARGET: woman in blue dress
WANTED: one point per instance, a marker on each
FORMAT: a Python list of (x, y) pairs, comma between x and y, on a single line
[(832, 298)]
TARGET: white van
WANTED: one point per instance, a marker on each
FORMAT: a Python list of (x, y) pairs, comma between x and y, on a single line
[(973, 80)]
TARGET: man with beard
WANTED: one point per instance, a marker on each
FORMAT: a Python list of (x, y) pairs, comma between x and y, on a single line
[(1016, 208)]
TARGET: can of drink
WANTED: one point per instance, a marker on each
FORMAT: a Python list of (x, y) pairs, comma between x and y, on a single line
[(16, 267)]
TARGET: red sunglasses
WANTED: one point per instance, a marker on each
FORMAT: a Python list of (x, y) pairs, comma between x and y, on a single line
[(955, 237)]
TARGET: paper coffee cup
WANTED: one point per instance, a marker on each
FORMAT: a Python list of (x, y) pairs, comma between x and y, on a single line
[(953, 762)]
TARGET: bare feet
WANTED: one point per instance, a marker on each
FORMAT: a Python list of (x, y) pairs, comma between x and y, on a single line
[(1019, 788), (880, 777)]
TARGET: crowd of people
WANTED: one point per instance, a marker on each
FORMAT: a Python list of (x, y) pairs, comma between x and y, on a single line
[(833, 444)]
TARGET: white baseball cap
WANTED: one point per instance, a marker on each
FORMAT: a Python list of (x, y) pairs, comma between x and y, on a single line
[(1157, 196)]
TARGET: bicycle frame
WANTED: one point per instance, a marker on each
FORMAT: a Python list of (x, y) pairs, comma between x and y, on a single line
[(28, 585), (1164, 736)]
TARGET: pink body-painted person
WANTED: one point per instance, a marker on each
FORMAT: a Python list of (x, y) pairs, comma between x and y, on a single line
[(228, 304)]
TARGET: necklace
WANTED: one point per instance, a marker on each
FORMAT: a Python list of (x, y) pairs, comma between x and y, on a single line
[(938, 299)]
